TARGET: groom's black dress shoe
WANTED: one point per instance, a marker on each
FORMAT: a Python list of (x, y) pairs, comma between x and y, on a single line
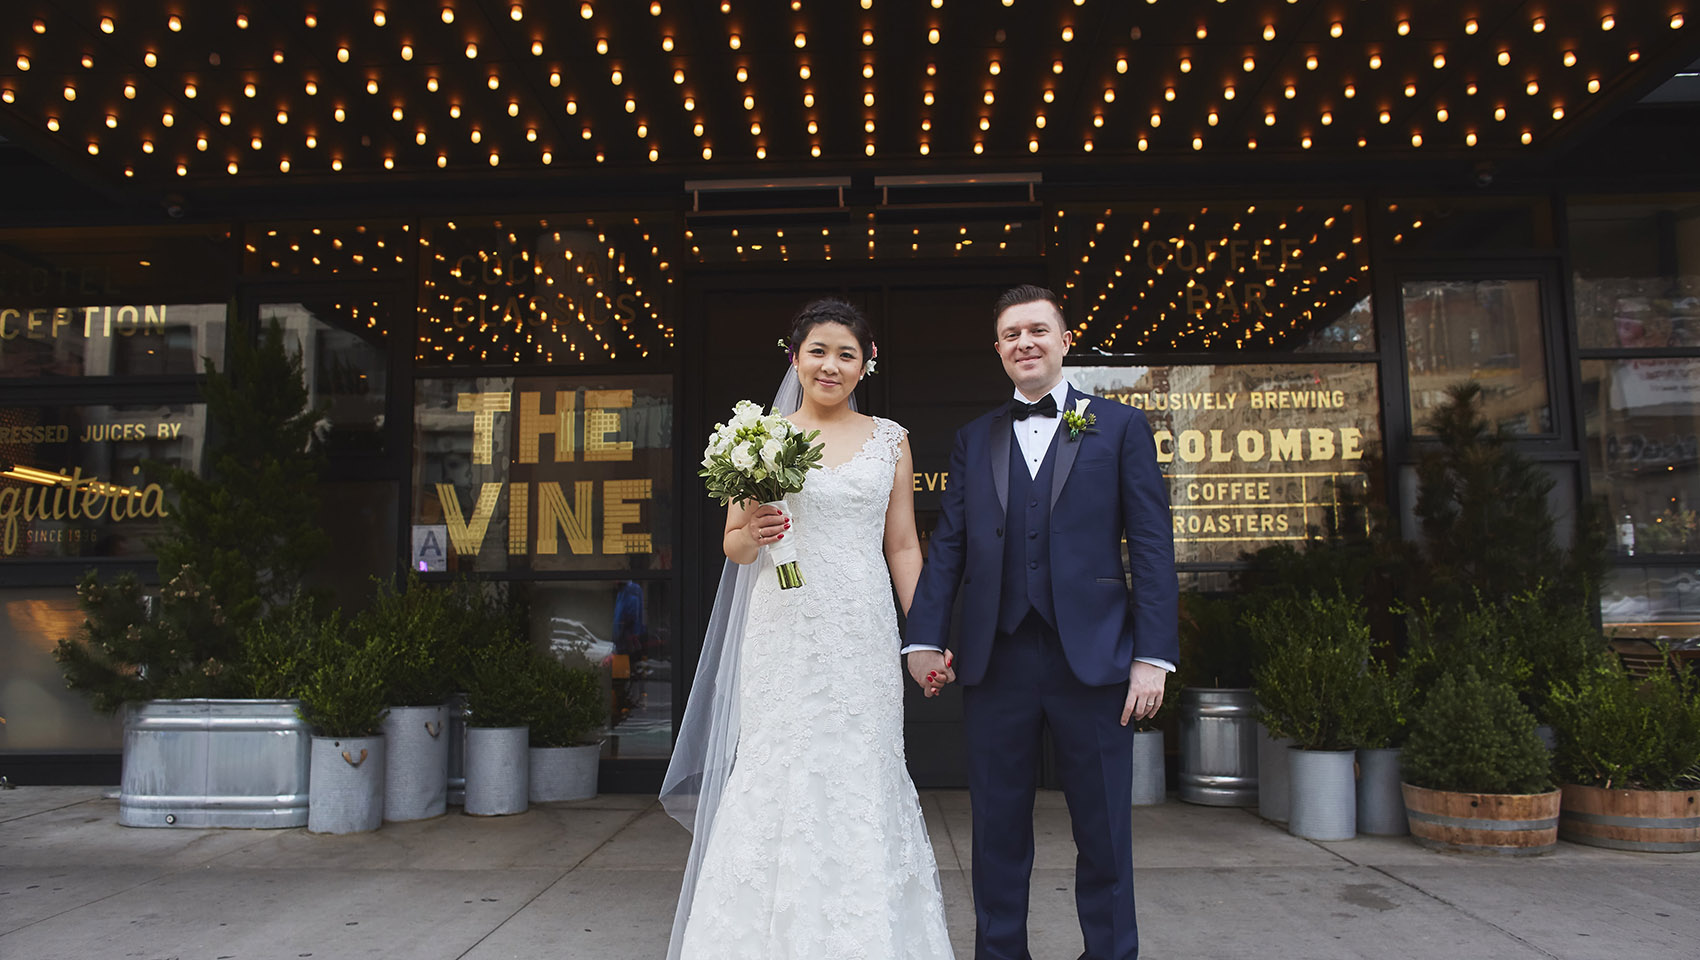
[(1044, 408)]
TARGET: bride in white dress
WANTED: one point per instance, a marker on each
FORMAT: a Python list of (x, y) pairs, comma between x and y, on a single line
[(809, 841)]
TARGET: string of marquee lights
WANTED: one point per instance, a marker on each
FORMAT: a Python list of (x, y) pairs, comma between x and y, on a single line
[(1249, 279), (814, 243), (211, 89), (545, 301), (329, 251)]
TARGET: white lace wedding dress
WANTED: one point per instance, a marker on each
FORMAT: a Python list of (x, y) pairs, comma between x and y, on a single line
[(819, 851)]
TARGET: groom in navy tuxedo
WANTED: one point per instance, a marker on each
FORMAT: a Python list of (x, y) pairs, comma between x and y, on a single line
[(1054, 633)]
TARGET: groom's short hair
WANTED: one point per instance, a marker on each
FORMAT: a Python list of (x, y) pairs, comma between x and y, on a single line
[(1026, 293)]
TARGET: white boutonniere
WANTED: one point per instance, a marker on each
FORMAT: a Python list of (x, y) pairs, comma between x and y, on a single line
[(1078, 420)]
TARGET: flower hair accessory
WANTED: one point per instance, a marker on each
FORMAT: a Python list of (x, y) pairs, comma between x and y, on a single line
[(785, 345), (873, 361)]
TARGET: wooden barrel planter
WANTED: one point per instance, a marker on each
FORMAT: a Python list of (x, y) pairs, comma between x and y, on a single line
[(1508, 824), (1648, 821)]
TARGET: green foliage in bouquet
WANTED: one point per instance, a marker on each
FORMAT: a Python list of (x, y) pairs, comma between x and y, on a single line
[(410, 631), (757, 458), (1472, 735), (1615, 730), (1311, 684), (571, 710), (124, 651), (504, 685), (342, 693)]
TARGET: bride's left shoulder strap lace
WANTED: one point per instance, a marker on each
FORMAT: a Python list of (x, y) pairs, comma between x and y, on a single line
[(888, 438)]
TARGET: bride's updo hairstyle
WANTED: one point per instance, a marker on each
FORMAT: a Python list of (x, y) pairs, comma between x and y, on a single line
[(831, 310)]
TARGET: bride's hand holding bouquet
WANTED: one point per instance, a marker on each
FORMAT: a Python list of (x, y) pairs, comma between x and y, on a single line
[(757, 458)]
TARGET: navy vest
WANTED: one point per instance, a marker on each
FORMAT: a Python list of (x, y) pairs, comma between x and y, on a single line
[(1027, 548)]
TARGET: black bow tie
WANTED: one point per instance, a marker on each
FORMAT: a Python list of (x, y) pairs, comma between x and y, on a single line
[(1044, 408)]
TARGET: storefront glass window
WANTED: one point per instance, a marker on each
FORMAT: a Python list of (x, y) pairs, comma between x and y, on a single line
[(559, 291), (623, 628), (1643, 440), (1449, 226), (41, 715), (73, 480), (112, 302), (342, 343), (1255, 454), (543, 473), (1488, 331), (330, 251), (1276, 277), (1637, 273)]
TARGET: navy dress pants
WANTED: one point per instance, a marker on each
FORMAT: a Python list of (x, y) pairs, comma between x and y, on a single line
[(1028, 687)]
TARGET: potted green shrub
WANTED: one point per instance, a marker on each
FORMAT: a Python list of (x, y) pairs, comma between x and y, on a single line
[(342, 698), (1150, 779), (566, 726), (1382, 726), (237, 542), (503, 691), (1311, 688), (1628, 758), (1217, 712), (409, 627), (1477, 778)]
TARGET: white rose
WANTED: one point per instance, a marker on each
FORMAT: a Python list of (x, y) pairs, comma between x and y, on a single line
[(770, 454), (777, 426), (743, 459)]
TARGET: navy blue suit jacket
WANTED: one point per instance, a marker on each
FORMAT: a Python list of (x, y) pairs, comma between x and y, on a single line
[(1106, 486)]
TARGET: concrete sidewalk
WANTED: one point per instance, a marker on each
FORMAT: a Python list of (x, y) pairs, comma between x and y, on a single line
[(598, 880)]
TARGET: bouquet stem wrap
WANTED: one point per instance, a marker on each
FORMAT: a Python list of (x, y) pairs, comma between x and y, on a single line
[(784, 556)]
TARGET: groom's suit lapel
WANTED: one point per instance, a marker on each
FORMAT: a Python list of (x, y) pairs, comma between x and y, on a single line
[(1003, 433), (1067, 448)]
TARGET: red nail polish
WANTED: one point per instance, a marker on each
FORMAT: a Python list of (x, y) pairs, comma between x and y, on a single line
[(780, 537)]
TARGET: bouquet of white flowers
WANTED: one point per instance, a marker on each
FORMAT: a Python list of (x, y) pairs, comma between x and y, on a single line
[(761, 458)]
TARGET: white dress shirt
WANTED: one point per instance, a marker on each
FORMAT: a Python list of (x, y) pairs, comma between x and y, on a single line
[(1034, 435)]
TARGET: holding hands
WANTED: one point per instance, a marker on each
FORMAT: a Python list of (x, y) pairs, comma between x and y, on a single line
[(931, 669)]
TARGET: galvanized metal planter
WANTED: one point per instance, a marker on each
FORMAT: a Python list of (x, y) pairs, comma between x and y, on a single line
[(1274, 789), (348, 785), (416, 762), (1381, 804), (1647, 821), (1150, 781), (1324, 794), (564, 773), (1218, 746), (215, 763), (456, 709), (498, 770)]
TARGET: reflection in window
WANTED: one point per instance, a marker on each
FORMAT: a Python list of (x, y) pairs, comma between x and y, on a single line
[(1448, 226), (543, 473), (1637, 274), (333, 250), (346, 366), (544, 291), (1488, 331), (41, 714), (1192, 277), (73, 481), (622, 627), (1654, 603), (147, 339), (1254, 454), (1643, 439)]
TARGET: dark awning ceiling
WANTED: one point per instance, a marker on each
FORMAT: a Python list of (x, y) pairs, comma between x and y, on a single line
[(145, 96)]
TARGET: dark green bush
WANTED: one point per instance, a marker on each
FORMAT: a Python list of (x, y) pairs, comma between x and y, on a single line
[(504, 686), (343, 692), (281, 650), (1215, 649), (1615, 730), (1472, 735), (1311, 684), (410, 630), (571, 710)]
